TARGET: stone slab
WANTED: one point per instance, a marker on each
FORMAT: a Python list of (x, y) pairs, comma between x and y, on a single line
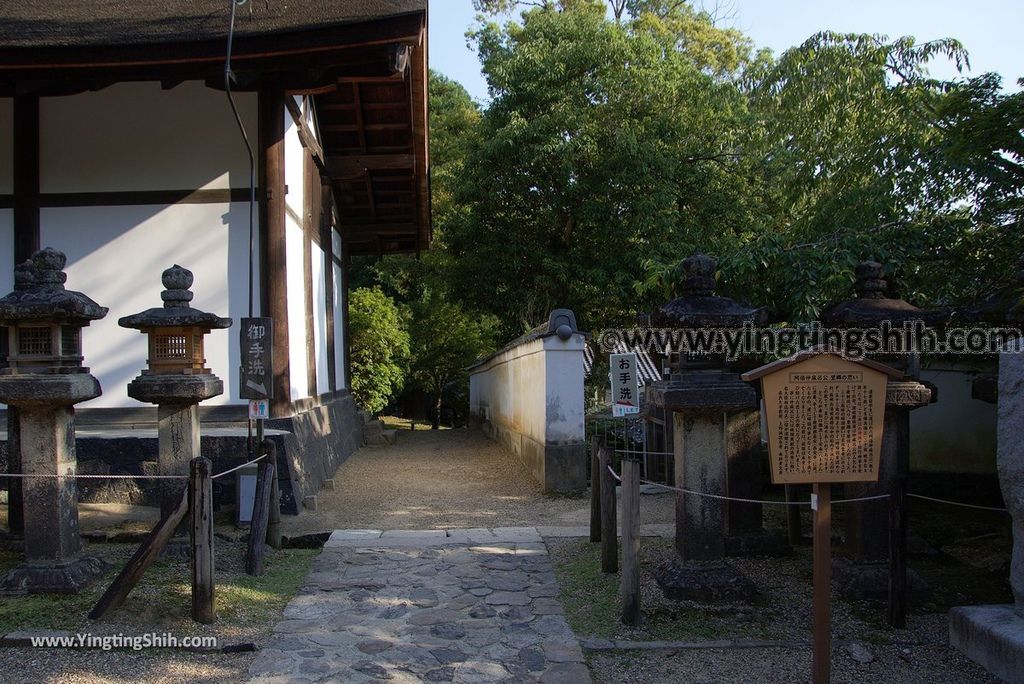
[(423, 611), (992, 636), (427, 535)]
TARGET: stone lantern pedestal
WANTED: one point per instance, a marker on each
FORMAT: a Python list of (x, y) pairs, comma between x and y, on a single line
[(176, 379), (717, 446), (44, 379), (864, 571)]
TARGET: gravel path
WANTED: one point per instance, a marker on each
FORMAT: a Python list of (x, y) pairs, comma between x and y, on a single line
[(444, 479)]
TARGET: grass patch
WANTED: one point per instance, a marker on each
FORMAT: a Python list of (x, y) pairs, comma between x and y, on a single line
[(591, 601), (162, 599), (397, 423)]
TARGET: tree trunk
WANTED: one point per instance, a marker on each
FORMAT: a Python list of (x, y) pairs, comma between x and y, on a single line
[(436, 425)]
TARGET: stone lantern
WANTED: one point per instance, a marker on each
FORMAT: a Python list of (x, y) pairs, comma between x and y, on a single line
[(717, 443), (176, 379), (44, 379), (866, 528)]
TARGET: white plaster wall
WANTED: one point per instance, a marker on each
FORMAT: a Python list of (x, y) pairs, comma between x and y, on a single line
[(116, 256), (340, 307), (510, 389), (340, 303), (6, 151), (137, 136), (564, 389), (535, 389), (295, 240), (295, 245), (319, 273), (957, 433)]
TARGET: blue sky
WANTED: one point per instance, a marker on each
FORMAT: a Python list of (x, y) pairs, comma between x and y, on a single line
[(990, 30)]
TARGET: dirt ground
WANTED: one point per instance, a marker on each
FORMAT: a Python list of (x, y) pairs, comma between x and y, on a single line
[(444, 479)]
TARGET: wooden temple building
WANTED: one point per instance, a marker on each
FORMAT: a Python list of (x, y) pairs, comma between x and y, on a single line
[(118, 147)]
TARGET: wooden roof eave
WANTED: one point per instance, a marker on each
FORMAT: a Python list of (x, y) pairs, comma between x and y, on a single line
[(49, 69)]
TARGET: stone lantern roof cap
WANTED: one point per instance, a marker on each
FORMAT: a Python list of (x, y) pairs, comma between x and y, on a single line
[(699, 306), (176, 311), (39, 294), (870, 306)]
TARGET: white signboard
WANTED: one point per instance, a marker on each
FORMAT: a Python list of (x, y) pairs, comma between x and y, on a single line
[(259, 409), (625, 384)]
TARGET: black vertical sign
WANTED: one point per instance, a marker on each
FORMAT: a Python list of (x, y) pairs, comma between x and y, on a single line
[(257, 353)]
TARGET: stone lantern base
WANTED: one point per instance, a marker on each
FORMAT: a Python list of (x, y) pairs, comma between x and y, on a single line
[(703, 581), (57, 578)]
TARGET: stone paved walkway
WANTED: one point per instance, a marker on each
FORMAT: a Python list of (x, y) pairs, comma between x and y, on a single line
[(475, 605)]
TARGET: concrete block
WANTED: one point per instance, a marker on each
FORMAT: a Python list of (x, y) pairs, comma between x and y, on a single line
[(344, 537), (992, 636), (309, 503)]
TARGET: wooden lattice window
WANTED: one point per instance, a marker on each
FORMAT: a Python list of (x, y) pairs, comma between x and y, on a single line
[(4, 347), (70, 341), (35, 341), (170, 347)]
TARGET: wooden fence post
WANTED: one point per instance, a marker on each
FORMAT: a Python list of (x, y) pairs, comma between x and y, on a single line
[(140, 561), (595, 489), (629, 588), (609, 535), (200, 496), (898, 554), (260, 518), (274, 521)]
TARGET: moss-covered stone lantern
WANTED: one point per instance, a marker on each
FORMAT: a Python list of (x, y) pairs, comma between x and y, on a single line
[(176, 379), (717, 444), (43, 379)]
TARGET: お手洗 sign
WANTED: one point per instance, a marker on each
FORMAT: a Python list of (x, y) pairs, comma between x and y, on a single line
[(625, 384)]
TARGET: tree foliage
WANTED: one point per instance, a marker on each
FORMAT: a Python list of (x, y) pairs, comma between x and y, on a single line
[(623, 135), (446, 339), (379, 348), (604, 144)]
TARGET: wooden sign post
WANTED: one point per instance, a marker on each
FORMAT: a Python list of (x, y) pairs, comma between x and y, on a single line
[(825, 416)]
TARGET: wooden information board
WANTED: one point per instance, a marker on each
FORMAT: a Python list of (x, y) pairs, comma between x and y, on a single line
[(824, 416)]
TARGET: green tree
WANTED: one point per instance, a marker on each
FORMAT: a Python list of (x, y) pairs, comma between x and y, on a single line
[(606, 143), (445, 340), (379, 348)]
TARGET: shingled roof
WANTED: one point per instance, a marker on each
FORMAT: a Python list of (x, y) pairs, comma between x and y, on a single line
[(92, 23)]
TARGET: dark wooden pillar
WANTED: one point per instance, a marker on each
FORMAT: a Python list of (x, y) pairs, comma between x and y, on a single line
[(26, 176), (26, 243), (273, 248)]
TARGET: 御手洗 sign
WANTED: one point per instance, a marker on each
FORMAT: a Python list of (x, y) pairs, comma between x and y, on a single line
[(256, 338), (625, 384), (824, 415), (259, 409)]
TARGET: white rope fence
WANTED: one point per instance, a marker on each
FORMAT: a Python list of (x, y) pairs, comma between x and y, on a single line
[(44, 476), (770, 502)]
